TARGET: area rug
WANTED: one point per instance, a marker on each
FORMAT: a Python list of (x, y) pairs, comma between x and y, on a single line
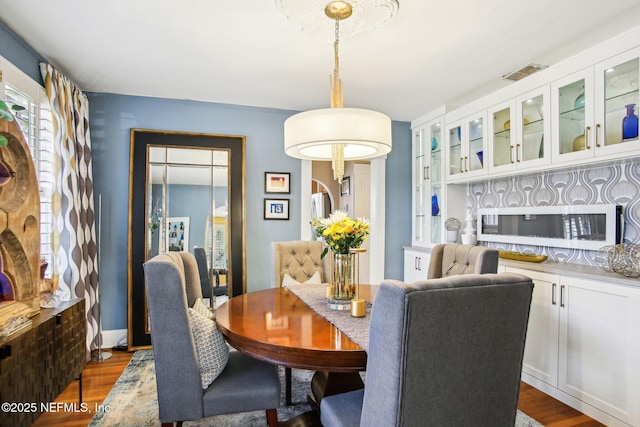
[(133, 401)]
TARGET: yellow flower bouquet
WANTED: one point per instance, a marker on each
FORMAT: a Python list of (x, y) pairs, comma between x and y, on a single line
[(340, 232)]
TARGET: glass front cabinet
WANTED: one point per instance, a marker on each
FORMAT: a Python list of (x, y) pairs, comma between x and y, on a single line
[(467, 142), (597, 109), (518, 132), (427, 184)]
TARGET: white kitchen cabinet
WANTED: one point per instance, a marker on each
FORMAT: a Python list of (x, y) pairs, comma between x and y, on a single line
[(541, 349), (416, 265), (582, 345), (589, 108), (466, 141), (502, 141), (533, 128), (599, 346), (428, 190), (519, 133)]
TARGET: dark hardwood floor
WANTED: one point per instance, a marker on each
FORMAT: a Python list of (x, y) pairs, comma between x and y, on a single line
[(99, 377)]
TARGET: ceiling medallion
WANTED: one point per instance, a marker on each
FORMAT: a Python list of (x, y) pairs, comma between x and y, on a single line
[(366, 15)]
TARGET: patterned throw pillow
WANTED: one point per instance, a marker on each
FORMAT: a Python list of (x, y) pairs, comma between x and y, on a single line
[(211, 348), (313, 280), (199, 307)]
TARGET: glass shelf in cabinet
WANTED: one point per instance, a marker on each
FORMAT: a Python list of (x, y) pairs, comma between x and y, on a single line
[(576, 114), (536, 126), (503, 134), (476, 144), (620, 101)]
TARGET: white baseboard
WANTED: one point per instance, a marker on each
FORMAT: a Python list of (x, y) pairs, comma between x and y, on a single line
[(114, 337)]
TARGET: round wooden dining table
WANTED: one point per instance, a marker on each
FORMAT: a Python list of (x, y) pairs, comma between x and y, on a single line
[(275, 326)]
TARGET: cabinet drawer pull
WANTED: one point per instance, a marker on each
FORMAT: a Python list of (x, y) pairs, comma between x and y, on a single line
[(461, 164), (586, 137), (553, 294), (466, 164), (415, 263), (561, 295), (511, 154), (517, 153), (597, 132), (425, 172)]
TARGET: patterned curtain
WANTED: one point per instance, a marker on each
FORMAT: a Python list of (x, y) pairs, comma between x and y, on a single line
[(73, 240)]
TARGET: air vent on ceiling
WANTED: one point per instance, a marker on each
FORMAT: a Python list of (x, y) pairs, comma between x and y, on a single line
[(523, 72)]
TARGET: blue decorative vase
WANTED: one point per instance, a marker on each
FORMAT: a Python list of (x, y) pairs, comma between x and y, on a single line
[(480, 155), (435, 209), (579, 102), (434, 143), (630, 123)]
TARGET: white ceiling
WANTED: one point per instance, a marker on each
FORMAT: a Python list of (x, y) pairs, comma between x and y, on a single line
[(246, 52)]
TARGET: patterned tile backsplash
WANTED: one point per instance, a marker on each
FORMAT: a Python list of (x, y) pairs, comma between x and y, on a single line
[(618, 184)]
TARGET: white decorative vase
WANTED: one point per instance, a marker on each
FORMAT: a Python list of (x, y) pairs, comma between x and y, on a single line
[(468, 239), (469, 233), (452, 236)]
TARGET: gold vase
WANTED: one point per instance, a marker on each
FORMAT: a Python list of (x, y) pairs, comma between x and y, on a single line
[(578, 143)]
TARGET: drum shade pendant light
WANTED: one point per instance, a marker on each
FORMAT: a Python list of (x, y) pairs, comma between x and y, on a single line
[(337, 133)]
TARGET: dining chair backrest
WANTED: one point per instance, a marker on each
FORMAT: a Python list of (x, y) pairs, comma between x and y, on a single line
[(203, 271), (448, 259), (447, 352), (442, 352), (299, 259)]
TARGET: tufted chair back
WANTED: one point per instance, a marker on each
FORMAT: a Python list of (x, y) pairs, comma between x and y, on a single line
[(300, 259), (452, 259)]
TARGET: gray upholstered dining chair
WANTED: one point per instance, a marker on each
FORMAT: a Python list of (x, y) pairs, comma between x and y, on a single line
[(243, 384), (442, 352), (449, 259), (209, 277)]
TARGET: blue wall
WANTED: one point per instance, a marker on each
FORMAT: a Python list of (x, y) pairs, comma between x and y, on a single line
[(111, 118)]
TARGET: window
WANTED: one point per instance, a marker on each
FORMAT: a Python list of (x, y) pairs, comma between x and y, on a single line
[(35, 122)]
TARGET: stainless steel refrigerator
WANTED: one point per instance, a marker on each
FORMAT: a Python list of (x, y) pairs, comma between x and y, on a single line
[(320, 205)]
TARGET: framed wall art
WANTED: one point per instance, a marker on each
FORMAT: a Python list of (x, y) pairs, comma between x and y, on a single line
[(276, 208), (277, 182), (177, 234), (345, 186)]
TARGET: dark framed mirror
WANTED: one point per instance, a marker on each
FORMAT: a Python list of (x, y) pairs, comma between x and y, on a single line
[(186, 194)]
